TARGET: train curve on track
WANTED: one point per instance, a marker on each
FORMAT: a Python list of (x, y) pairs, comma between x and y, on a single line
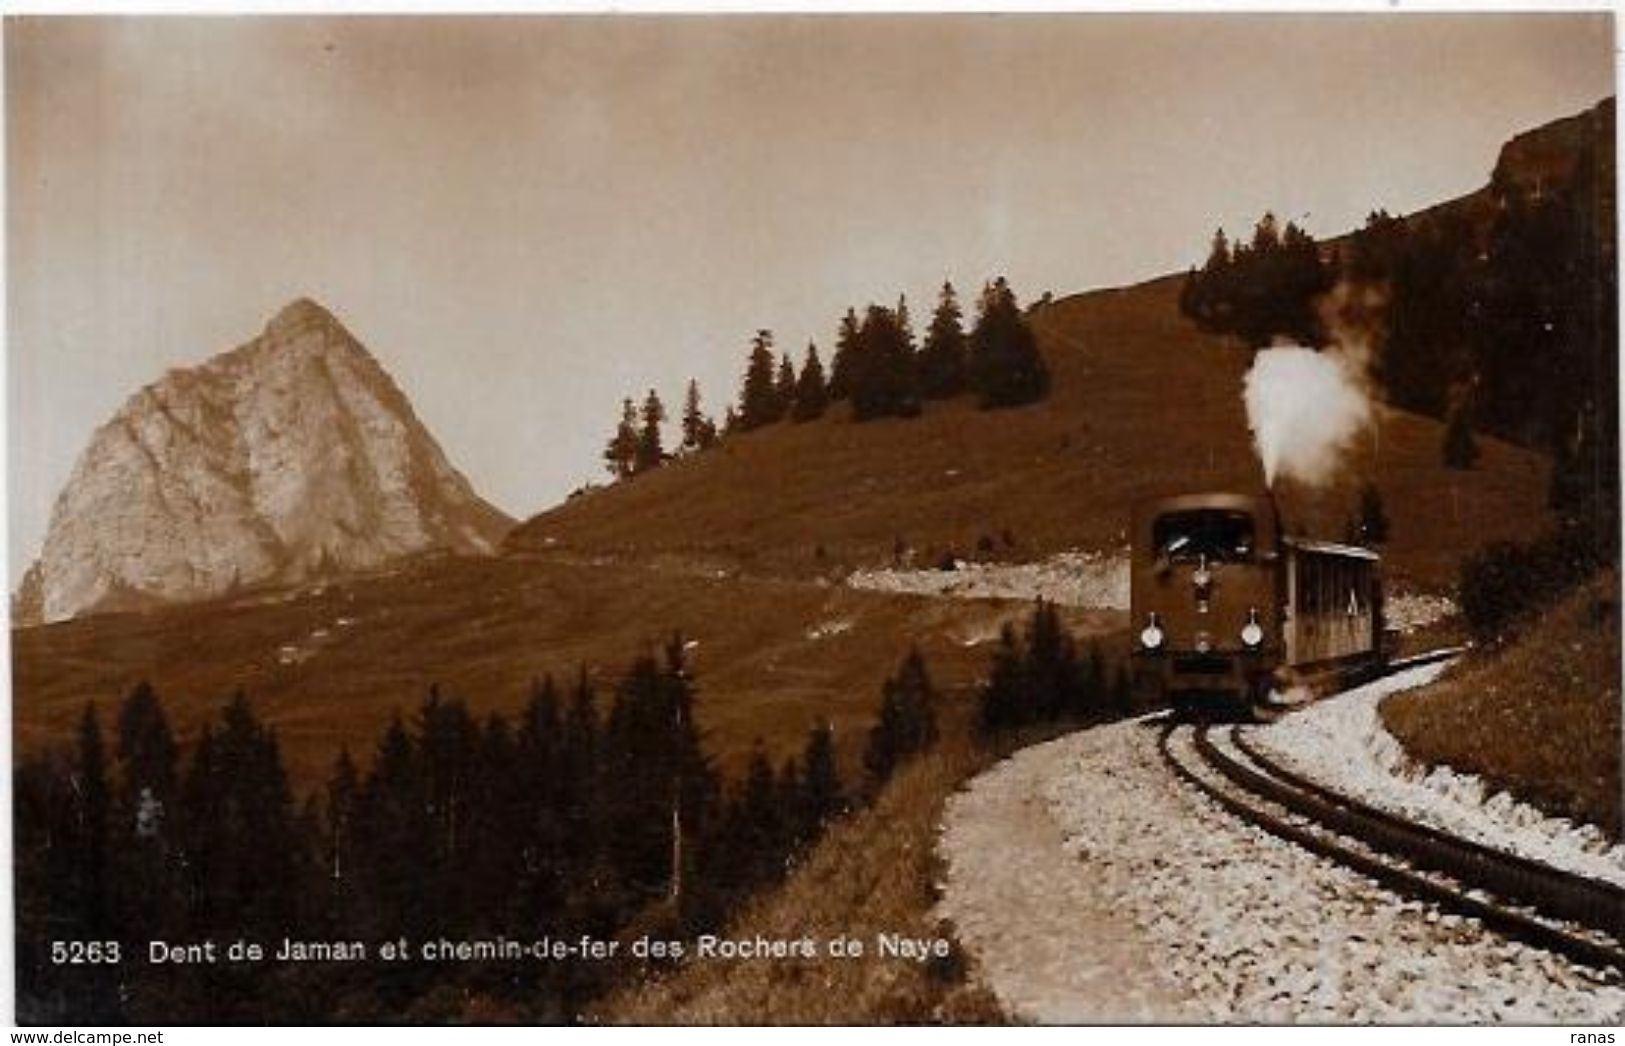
[(1094, 884)]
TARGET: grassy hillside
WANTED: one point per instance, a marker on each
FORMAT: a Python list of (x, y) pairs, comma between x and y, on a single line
[(1143, 404), (874, 872), (1540, 718), (329, 666)]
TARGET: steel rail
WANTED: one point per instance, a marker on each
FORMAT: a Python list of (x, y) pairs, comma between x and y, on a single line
[(1322, 840), (1551, 891)]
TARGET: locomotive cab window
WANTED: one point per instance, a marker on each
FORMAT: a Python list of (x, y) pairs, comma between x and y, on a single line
[(1218, 534)]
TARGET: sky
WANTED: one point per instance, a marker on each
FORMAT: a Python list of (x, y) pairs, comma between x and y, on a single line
[(527, 218)]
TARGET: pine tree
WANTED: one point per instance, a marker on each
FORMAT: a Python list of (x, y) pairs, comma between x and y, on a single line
[(577, 801), (918, 698), (762, 825), (144, 887), (758, 397), (1430, 268), (903, 363), (533, 808), (343, 792), (147, 770), (907, 724), (846, 344), (1190, 294), (910, 350), (541, 726), (695, 786), (1206, 297), (650, 453), (942, 359), (200, 840), (699, 431), (448, 741), (1266, 234), (1051, 666), (1005, 369), (1039, 677), (91, 835), (1260, 289), (796, 830), (811, 396), (248, 847), (881, 368), (338, 851), (1004, 698), (1297, 280), (50, 902), (501, 822), (664, 786), (392, 828), (621, 453), (784, 388), (821, 791)]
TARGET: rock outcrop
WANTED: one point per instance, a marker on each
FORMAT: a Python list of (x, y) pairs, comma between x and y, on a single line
[(292, 457)]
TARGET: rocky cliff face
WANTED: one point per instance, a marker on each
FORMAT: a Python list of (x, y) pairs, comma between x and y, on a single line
[(1546, 158), (292, 457)]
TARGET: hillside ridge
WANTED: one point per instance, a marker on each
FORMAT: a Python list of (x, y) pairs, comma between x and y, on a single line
[(1143, 404)]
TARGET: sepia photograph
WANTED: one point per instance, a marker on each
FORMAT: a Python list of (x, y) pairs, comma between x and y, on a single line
[(1063, 518)]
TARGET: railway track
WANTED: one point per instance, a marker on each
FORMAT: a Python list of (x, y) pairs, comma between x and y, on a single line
[(1576, 916)]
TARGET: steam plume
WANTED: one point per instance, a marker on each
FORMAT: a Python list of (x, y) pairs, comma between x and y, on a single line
[(1305, 408)]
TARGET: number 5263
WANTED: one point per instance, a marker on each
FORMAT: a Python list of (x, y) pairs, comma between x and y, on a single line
[(79, 953)]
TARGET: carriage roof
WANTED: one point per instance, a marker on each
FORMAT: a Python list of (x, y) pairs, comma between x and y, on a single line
[(1214, 499), (1330, 548)]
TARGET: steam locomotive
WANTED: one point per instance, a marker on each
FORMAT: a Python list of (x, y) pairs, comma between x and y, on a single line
[(1228, 609)]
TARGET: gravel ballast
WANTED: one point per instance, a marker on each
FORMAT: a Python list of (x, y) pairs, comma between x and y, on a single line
[(1342, 744), (1094, 886)]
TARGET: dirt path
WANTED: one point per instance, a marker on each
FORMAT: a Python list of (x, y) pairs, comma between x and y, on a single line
[(1055, 951)]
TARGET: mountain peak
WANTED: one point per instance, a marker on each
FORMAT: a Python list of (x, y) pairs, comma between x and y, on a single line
[(299, 314), (292, 457)]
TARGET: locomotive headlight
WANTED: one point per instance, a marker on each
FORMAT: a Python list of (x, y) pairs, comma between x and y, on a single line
[(1151, 636), (1252, 633)]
